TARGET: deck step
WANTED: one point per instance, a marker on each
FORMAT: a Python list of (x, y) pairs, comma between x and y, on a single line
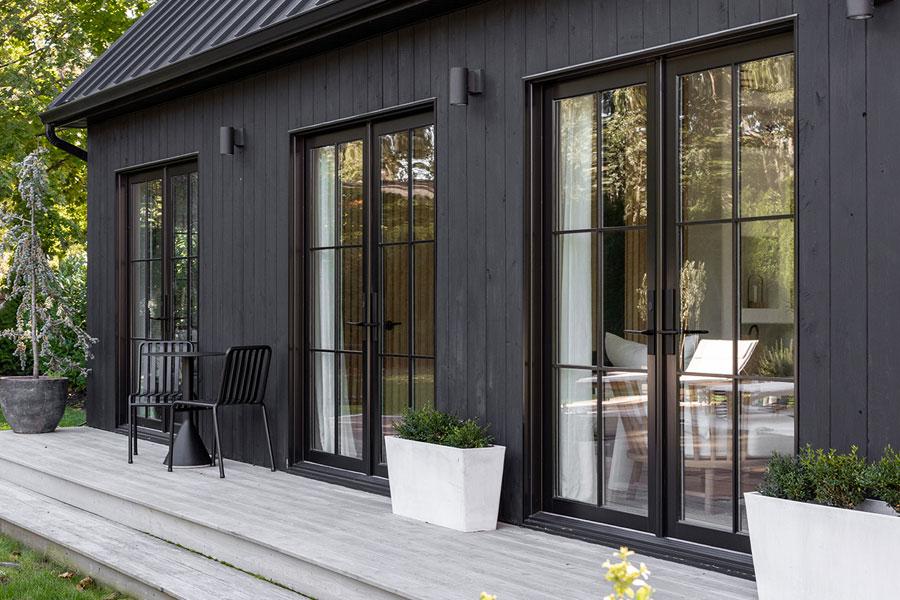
[(133, 562)]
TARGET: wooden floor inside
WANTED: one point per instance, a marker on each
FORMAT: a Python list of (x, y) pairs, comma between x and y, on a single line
[(350, 533)]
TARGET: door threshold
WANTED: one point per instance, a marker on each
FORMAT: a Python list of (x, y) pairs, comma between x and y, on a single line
[(351, 479), (730, 562)]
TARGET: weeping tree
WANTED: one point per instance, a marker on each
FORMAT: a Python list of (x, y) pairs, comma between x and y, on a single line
[(44, 317)]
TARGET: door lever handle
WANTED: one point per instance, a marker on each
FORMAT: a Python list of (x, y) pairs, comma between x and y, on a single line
[(361, 323), (641, 331), (683, 332)]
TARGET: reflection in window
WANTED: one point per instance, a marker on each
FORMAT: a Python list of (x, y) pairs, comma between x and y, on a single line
[(601, 450), (738, 281)]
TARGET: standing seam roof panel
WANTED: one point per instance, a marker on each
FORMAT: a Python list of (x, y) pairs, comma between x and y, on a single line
[(174, 30)]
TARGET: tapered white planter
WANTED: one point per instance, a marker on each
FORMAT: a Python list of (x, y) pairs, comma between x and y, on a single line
[(453, 487), (803, 550)]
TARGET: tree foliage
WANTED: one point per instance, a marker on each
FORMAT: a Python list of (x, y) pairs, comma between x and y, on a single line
[(44, 45)]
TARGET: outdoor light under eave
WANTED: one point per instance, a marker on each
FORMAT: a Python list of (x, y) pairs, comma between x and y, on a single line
[(229, 137), (858, 10)]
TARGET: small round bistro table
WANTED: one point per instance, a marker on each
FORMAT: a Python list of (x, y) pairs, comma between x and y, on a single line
[(189, 449)]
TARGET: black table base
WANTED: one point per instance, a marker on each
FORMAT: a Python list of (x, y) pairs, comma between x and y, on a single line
[(190, 451)]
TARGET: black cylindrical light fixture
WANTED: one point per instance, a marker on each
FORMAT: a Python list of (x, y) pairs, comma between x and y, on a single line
[(459, 86), (229, 137), (226, 140), (860, 9)]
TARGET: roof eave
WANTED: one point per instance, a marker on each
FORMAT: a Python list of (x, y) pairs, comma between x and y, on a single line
[(301, 33)]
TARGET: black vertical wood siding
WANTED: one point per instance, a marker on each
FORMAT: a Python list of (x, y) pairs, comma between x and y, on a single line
[(848, 207)]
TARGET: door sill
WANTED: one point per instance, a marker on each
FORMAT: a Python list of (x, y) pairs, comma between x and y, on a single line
[(730, 562), (351, 479)]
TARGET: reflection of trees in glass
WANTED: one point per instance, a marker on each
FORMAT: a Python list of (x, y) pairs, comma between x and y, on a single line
[(778, 360), (705, 148), (767, 136), (693, 292), (767, 250), (624, 122)]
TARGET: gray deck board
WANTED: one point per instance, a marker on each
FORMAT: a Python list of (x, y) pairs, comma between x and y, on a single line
[(349, 531), (160, 569)]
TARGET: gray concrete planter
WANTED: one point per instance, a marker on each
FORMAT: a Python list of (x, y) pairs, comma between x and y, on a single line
[(33, 404)]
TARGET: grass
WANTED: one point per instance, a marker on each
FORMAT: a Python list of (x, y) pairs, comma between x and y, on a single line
[(38, 578), (74, 417)]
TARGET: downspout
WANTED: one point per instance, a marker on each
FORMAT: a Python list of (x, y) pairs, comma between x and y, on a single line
[(50, 130)]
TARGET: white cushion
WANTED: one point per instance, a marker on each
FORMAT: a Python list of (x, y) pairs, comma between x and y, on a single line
[(625, 354)]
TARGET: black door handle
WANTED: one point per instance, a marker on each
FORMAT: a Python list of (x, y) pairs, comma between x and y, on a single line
[(641, 331), (389, 325), (683, 332), (361, 323)]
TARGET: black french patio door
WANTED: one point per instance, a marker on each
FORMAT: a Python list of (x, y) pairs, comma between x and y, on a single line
[(163, 263), (668, 304), (369, 227)]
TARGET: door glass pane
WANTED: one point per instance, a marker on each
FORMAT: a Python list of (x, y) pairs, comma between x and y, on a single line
[(396, 303), (767, 136), (577, 163), (705, 405), (351, 416), (351, 182), (323, 298), (395, 187), (705, 144), (423, 169), (423, 301), (423, 383), (146, 219), (624, 131), (395, 373), (706, 300), (625, 297), (577, 281), (768, 423), (351, 307), (576, 435), (767, 296), (625, 455), (323, 395), (321, 206)]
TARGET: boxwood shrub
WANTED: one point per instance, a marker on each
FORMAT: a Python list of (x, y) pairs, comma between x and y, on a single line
[(832, 478), (435, 427)]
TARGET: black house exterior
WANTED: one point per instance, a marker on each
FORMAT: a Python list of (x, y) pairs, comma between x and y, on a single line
[(656, 243)]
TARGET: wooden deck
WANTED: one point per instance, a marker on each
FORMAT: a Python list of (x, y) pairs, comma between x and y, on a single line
[(318, 539)]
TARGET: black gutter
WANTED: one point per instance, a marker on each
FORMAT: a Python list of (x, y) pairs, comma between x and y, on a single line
[(50, 131)]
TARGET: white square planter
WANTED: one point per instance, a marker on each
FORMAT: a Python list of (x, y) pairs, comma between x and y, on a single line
[(803, 550), (453, 487)]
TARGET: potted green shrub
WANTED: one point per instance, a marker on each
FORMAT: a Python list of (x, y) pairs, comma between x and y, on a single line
[(444, 470), (35, 403), (815, 534)]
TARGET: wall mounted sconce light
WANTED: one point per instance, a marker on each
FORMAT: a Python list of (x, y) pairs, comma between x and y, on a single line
[(858, 10), (463, 83), (229, 137)]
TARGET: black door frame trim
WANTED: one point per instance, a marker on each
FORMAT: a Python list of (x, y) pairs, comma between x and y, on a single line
[(535, 472), (363, 474)]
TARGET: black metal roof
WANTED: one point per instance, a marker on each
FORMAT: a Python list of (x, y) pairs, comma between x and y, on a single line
[(174, 30), (179, 46)]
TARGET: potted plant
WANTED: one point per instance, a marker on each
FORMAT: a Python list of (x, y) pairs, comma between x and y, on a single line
[(43, 325), (445, 471), (814, 534)]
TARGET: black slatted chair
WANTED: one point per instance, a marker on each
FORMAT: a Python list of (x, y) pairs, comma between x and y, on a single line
[(243, 383), (158, 385)]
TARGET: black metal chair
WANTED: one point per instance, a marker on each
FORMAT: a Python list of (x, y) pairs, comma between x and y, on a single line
[(158, 385), (243, 383)]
